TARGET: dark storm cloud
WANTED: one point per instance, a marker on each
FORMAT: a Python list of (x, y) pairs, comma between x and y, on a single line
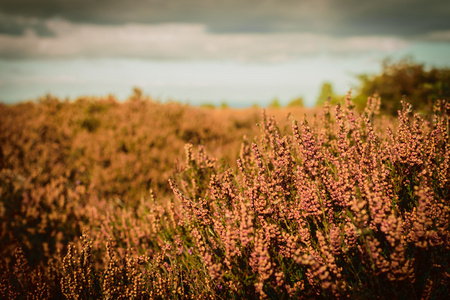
[(18, 25), (342, 17)]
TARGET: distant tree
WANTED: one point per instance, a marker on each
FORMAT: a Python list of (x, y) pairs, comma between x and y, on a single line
[(275, 103), (137, 93), (297, 102), (326, 92), (224, 105), (420, 86)]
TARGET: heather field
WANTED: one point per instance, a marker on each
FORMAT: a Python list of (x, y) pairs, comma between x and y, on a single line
[(101, 199)]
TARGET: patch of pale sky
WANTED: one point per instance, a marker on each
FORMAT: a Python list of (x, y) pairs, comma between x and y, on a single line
[(240, 84)]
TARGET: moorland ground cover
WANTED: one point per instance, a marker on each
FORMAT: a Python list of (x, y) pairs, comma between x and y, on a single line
[(139, 199)]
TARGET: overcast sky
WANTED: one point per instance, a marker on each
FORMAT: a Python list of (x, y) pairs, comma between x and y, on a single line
[(55, 45)]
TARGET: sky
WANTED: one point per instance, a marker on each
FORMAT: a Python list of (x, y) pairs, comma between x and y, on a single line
[(207, 51)]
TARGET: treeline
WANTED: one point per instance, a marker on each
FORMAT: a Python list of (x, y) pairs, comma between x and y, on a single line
[(403, 80)]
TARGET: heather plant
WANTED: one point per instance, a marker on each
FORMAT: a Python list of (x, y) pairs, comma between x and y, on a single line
[(117, 149), (86, 166), (342, 205), (342, 210), (63, 164)]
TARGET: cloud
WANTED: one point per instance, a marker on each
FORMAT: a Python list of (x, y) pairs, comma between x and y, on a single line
[(439, 36), (182, 41), (403, 18), (18, 25), (251, 30)]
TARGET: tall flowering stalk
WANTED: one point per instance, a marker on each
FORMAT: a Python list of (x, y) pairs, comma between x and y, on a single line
[(352, 207)]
